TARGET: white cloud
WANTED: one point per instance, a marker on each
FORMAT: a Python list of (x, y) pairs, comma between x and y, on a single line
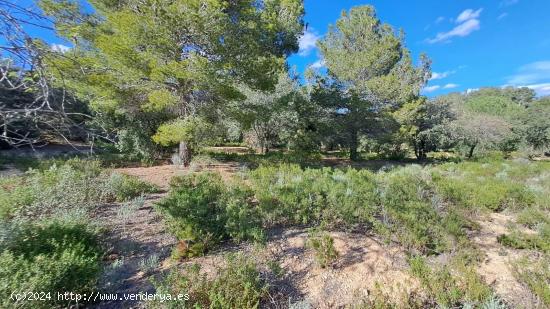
[(442, 75), (450, 86), (532, 73), (468, 15), (467, 21), (307, 42), (461, 30), (541, 89), (470, 90), (60, 48), (431, 88), (439, 19), (508, 2), (318, 64), (501, 16)]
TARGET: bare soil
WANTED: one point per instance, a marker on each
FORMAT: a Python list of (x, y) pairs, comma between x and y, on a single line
[(161, 175), (131, 241), (496, 269)]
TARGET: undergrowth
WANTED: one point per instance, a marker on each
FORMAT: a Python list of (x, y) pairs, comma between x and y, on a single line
[(237, 284)]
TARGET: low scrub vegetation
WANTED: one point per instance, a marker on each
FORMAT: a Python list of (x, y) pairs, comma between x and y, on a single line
[(48, 257), (421, 208), (535, 273), (323, 245), (47, 243), (455, 284), (237, 284), (73, 186), (401, 203), (202, 211)]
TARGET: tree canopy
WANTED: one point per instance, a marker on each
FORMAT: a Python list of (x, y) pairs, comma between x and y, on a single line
[(370, 72)]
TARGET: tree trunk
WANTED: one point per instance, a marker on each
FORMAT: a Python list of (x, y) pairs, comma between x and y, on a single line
[(471, 153), (421, 151), (353, 144), (416, 152), (185, 153)]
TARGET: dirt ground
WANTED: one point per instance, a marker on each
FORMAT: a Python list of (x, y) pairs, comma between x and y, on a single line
[(132, 240), (495, 269), (161, 175)]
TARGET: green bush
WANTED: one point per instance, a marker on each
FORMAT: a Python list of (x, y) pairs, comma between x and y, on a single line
[(237, 284), (15, 193), (48, 257), (74, 186), (539, 241), (533, 217), (408, 212), (125, 187), (536, 275), (289, 195), (203, 211), (323, 246), (452, 285), (491, 185)]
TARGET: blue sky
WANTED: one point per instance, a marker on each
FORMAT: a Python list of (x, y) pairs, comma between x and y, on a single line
[(472, 43)]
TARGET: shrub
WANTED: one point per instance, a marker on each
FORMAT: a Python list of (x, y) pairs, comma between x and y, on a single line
[(14, 194), (289, 195), (408, 212), (203, 211), (481, 186), (78, 184), (323, 246), (48, 257), (238, 284), (539, 241), (533, 217), (450, 285), (536, 275), (125, 187)]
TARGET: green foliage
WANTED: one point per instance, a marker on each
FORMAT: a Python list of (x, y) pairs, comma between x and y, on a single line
[(125, 187), (323, 246), (425, 209), (191, 130), (532, 217), (289, 195), (72, 187), (483, 185), (536, 275), (410, 214), (14, 194), (539, 241), (133, 65), (237, 284), (50, 257), (365, 58), (536, 125), (450, 285), (423, 124), (203, 211)]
